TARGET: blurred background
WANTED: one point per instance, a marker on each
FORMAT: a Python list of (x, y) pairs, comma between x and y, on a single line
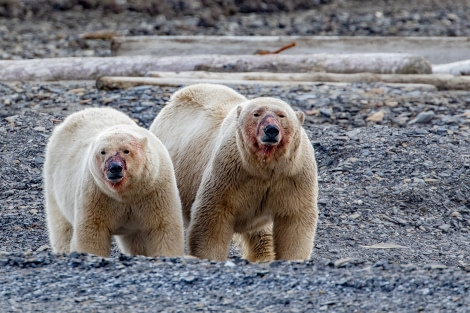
[(58, 28)]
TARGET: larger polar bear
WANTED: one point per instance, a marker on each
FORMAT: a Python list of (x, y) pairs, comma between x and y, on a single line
[(104, 175), (243, 167)]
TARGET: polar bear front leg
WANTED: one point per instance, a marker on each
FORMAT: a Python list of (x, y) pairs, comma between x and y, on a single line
[(165, 242), (293, 237), (91, 235), (210, 232)]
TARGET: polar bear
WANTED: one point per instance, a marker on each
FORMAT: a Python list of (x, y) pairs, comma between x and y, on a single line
[(243, 167), (103, 176)]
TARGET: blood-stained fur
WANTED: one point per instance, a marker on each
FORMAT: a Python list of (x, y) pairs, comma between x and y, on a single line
[(104, 175), (243, 167)]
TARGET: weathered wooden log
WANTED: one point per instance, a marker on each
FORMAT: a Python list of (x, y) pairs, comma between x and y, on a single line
[(455, 68), (94, 67), (114, 82), (102, 35), (383, 63), (435, 49), (440, 81)]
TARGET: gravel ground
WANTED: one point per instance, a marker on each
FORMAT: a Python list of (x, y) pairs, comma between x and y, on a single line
[(394, 177)]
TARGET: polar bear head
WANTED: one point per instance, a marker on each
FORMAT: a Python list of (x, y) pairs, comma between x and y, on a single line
[(269, 127), (118, 161)]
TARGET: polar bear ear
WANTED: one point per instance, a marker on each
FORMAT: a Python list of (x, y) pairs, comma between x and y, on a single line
[(300, 116), (143, 141), (239, 110)]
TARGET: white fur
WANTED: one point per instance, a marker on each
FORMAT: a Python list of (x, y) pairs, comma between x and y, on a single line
[(84, 210), (231, 182)]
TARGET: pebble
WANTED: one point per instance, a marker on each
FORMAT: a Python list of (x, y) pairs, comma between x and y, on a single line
[(343, 262), (376, 117), (422, 117), (444, 227), (43, 248), (353, 133), (39, 160), (326, 112), (419, 181), (355, 216), (40, 129), (437, 266), (8, 193), (11, 119)]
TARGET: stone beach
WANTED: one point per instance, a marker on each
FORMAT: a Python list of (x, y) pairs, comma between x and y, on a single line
[(393, 160)]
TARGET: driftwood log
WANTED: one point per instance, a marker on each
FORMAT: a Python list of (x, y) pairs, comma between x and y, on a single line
[(440, 81), (437, 50), (455, 68), (115, 82), (94, 67)]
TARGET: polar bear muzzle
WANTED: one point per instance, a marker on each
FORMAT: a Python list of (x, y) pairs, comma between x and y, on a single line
[(270, 130), (271, 133), (115, 168)]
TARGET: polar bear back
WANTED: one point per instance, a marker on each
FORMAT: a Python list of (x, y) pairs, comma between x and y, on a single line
[(200, 111), (81, 129), (84, 125)]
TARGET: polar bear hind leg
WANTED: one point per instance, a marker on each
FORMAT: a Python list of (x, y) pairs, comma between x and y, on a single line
[(257, 246)]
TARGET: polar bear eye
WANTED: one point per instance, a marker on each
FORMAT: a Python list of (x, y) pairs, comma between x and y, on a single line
[(126, 151), (256, 115), (282, 115), (103, 152)]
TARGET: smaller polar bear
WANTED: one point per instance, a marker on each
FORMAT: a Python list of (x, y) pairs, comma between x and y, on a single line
[(104, 175), (243, 167)]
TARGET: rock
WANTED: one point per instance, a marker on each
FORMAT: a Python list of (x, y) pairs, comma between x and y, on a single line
[(376, 117), (39, 160), (353, 134), (385, 245), (326, 112), (437, 266), (419, 181), (40, 129), (43, 248), (422, 117), (355, 216), (444, 227), (343, 262), (391, 103), (189, 279), (8, 193), (11, 119), (464, 266)]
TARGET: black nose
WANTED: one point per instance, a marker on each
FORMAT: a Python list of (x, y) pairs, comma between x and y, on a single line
[(115, 167), (271, 131)]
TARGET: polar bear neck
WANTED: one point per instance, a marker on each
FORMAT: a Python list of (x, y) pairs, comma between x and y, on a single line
[(269, 161)]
